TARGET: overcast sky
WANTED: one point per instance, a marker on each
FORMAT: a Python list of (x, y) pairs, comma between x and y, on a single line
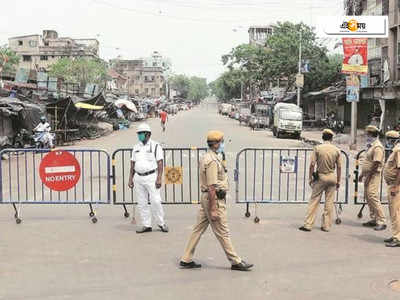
[(192, 33)]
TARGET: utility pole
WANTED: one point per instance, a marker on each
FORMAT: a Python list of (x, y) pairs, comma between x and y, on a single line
[(241, 90), (298, 88), (353, 131)]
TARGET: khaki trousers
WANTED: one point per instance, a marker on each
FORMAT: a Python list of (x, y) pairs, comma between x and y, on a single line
[(326, 183), (371, 186), (220, 229), (394, 209)]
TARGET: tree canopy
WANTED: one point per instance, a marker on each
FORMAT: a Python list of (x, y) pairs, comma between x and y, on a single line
[(80, 70), (8, 60), (191, 88), (258, 66)]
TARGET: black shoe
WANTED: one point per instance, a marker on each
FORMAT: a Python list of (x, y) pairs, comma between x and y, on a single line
[(389, 240), (394, 243), (380, 227), (371, 223), (190, 265), (324, 229), (243, 266), (163, 228), (302, 228), (144, 229)]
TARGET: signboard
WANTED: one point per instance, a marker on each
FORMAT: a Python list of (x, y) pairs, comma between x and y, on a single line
[(364, 81), (42, 79), (355, 59), (352, 88), (288, 164), (173, 175), (300, 80), (59, 170), (355, 26), (52, 87)]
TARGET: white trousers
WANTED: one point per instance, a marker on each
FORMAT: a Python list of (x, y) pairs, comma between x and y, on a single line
[(145, 187)]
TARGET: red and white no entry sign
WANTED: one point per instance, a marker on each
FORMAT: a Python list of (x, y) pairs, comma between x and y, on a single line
[(59, 170)]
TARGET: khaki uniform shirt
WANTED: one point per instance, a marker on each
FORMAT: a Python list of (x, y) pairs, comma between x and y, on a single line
[(212, 172), (392, 165), (376, 153), (326, 156)]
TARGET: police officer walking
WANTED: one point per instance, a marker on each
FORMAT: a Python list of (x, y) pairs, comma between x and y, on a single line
[(214, 185), (391, 174), (146, 175), (326, 157), (371, 171)]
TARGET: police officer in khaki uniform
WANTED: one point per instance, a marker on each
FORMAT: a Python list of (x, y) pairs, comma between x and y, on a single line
[(214, 185), (391, 174), (326, 157), (371, 171)]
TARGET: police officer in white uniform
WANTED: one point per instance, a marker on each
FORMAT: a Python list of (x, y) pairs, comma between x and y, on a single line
[(146, 175)]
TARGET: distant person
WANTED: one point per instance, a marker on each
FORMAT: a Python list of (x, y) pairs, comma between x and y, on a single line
[(164, 119), (371, 171), (214, 185), (326, 159), (42, 133), (146, 176)]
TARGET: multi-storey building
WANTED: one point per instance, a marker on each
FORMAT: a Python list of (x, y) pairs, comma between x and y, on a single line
[(38, 52), (258, 35)]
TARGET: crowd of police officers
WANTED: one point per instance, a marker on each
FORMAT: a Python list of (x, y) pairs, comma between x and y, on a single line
[(326, 160), (324, 178)]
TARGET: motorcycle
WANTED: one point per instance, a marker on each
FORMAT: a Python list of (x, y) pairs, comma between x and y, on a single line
[(336, 125), (43, 140)]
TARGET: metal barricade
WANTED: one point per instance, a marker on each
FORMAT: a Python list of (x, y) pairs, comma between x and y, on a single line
[(20, 181), (280, 176), (359, 188), (181, 183)]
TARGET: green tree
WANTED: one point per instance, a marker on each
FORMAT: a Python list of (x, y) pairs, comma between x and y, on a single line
[(198, 89), (181, 84), (228, 86), (80, 70), (8, 60)]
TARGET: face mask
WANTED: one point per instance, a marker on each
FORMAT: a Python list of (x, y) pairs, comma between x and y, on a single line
[(221, 147), (141, 136), (390, 145), (370, 140)]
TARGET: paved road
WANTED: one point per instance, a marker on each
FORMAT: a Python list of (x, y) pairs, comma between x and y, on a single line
[(58, 254)]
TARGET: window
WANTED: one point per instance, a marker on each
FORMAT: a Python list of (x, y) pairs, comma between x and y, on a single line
[(154, 64), (137, 77), (32, 44), (152, 78), (146, 90), (44, 57), (52, 56), (46, 43), (26, 58), (137, 92), (145, 78), (20, 43)]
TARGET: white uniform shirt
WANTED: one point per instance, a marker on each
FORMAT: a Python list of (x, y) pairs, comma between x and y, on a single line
[(42, 127), (147, 156)]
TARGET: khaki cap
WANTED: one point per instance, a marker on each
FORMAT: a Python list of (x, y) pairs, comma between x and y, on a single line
[(215, 136), (371, 128), (328, 131), (392, 134)]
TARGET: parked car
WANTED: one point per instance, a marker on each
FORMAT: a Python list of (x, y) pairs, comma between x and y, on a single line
[(244, 116)]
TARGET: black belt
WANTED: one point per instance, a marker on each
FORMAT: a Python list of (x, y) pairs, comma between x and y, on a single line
[(146, 173)]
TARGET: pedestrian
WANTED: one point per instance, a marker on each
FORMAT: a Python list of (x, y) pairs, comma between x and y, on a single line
[(326, 159), (164, 118), (371, 172), (146, 176), (214, 185), (391, 174)]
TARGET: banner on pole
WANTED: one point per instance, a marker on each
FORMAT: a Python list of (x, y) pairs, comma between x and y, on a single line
[(352, 88), (355, 59)]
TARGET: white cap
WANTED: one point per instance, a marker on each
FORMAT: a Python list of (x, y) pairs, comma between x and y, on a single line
[(144, 127)]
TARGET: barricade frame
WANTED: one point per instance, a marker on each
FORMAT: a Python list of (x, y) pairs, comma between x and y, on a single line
[(175, 162), (102, 155), (296, 150)]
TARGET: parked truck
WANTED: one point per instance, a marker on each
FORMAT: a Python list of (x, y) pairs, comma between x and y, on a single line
[(288, 119)]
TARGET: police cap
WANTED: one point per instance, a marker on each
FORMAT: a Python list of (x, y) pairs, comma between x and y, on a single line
[(371, 128), (215, 136), (328, 131), (392, 134)]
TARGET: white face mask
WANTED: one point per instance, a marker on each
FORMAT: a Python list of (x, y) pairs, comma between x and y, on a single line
[(370, 140)]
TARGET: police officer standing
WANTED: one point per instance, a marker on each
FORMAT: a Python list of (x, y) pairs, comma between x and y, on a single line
[(371, 171), (326, 157), (146, 175), (214, 185), (391, 174)]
